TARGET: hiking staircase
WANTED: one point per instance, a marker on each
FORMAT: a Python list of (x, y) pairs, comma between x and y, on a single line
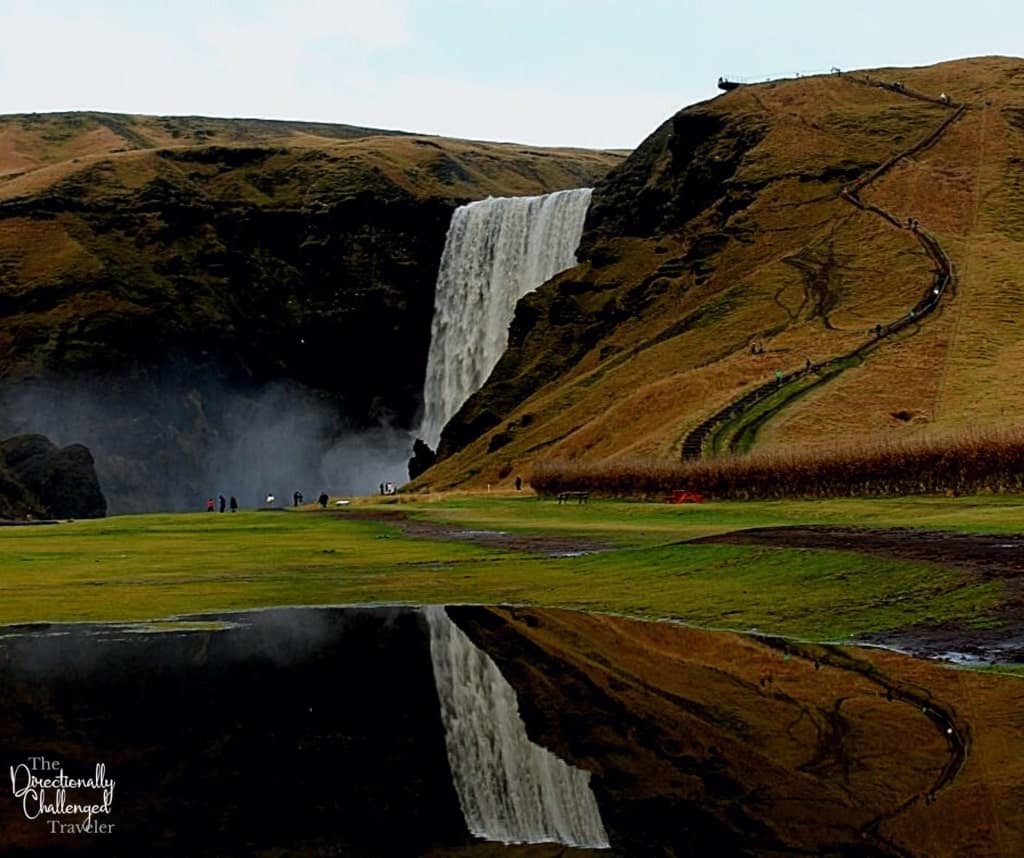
[(801, 382)]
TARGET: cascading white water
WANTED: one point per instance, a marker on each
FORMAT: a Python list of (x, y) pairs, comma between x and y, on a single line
[(497, 250), (510, 789)]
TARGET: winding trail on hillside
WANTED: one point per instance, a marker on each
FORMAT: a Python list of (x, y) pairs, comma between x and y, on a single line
[(952, 729), (734, 427)]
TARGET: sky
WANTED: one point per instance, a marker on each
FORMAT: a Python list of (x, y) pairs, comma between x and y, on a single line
[(591, 73)]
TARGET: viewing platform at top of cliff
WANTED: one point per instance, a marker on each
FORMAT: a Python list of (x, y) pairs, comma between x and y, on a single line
[(731, 82)]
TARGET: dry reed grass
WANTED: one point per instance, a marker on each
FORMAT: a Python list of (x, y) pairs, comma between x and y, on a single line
[(968, 463)]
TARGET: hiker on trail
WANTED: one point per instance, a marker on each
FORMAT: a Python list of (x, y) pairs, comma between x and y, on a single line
[(234, 504), (519, 484), (223, 503), (209, 505), (322, 500), (807, 365), (270, 499), (295, 498), (878, 330), (778, 376)]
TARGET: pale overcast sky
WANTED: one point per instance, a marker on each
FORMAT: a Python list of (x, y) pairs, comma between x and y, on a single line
[(601, 73)]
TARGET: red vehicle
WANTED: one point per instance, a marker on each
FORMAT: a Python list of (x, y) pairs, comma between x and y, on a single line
[(685, 496)]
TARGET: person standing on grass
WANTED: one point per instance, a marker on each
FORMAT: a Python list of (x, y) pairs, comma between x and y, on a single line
[(223, 503), (519, 484), (234, 504), (322, 500), (209, 505)]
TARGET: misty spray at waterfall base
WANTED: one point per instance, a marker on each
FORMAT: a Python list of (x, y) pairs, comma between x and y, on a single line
[(171, 446)]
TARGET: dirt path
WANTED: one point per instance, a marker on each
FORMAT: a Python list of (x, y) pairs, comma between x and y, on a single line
[(798, 383), (546, 546), (986, 556)]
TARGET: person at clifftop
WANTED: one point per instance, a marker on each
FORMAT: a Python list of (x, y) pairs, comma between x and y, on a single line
[(322, 500), (209, 505)]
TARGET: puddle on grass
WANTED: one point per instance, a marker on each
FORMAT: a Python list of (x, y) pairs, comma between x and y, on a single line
[(166, 626), (391, 731)]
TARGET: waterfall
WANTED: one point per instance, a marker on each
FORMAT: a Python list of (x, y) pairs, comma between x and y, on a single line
[(496, 251), (510, 789)]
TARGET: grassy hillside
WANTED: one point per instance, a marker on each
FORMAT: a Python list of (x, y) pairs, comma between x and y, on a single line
[(727, 229), (37, 150), (181, 265)]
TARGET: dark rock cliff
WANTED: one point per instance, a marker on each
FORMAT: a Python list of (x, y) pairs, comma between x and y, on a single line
[(38, 478)]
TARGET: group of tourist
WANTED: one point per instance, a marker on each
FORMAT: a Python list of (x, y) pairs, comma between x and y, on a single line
[(233, 503)]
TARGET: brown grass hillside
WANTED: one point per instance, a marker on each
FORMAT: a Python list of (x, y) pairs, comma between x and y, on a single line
[(39, 150), (726, 228)]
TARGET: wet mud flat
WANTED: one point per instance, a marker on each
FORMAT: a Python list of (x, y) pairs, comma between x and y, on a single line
[(985, 556), (326, 731)]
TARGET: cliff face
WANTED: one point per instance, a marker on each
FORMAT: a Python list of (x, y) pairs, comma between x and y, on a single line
[(157, 275), (722, 250)]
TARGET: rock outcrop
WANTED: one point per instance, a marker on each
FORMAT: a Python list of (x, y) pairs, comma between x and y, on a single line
[(39, 479)]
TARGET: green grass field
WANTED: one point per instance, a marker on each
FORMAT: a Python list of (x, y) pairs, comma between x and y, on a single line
[(159, 566)]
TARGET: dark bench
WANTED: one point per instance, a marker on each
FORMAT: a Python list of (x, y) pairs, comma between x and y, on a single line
[(579, 497)]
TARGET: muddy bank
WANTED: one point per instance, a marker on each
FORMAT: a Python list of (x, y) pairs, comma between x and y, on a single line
[(542, 544), (987, 556)]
